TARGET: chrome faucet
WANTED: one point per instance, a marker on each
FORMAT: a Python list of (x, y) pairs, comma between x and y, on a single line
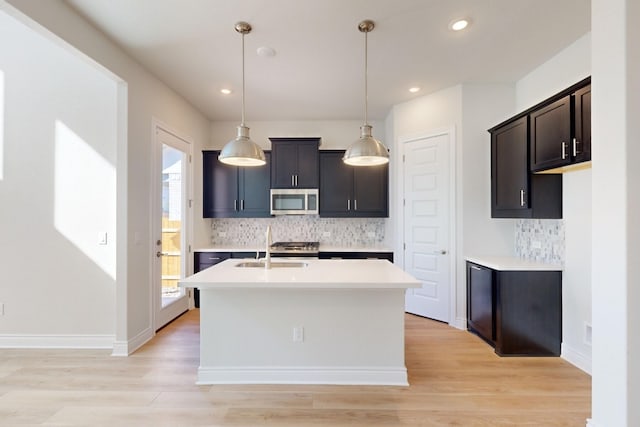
[(267, 254)]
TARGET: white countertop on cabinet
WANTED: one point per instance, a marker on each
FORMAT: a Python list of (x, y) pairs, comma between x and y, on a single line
[(507, 263), (317, 274)]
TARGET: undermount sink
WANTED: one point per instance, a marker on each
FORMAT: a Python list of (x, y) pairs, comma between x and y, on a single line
[(260, 264)]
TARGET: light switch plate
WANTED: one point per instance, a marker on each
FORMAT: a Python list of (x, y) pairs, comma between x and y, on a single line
[(102, 238)]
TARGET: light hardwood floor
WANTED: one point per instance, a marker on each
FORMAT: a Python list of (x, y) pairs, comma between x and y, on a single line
[(456, 380)]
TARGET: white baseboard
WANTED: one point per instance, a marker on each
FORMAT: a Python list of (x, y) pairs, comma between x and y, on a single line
[(577, 359), (303, 375), (125, 348), (460, 323), (57, 341)]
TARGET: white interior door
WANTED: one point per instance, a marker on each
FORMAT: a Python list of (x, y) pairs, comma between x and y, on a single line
[(170, 225), (426, 225)]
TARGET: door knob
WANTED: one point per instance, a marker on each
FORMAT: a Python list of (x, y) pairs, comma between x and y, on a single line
[(158, 254), (440, 252)]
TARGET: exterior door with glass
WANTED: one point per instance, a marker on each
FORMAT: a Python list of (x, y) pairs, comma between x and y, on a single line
[(171, 234)]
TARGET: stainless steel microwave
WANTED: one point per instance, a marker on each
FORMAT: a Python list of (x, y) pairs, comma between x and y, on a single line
[(294, 201)]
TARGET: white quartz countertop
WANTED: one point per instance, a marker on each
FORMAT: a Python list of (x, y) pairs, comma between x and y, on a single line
[(506, 263), (318, 274)]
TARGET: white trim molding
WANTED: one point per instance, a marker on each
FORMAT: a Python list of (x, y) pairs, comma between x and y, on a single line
[(125, 348), (57, 341), (347, 375), (577, 359)]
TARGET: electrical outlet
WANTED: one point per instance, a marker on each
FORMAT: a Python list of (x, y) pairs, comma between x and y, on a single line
[(298, 334), (326, 234), (587, 333), (222, 233), (536, 244), (371, 234)]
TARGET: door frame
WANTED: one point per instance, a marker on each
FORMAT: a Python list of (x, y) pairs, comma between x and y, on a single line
[(453, 211), (154, 229)]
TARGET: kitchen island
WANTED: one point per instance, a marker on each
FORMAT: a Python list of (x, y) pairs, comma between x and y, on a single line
[(325, 322)]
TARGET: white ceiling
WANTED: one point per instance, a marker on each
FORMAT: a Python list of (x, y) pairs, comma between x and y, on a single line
[(318, 70)]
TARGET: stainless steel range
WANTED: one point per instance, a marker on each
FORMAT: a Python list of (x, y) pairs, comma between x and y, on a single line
[(295, 249)]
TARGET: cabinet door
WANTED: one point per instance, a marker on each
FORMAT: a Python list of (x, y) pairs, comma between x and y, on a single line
[(509, 170), (307, 170), (254, 185), (284, 163), (480, 301), (294, 162), (370, 191), (551, 135), (336, 183), (582, 118), (220, 187)]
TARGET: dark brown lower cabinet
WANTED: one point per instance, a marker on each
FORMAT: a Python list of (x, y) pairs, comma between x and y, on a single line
[(357, 255), (518, 312)]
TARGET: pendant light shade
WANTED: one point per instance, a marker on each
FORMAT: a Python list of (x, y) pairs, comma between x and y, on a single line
[(242, 151), (366, 151)]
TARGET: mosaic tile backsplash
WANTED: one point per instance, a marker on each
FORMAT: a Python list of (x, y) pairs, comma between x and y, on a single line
[(540, 240), (333, 231)]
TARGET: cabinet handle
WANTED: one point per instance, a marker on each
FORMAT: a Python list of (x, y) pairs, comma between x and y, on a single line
[(476, 268), (575, 147), (521, 197), (242, 204), (235, 205), (348, 204), (293, 181), (355, 204), (296, 180), (564, 150), (214, 258)]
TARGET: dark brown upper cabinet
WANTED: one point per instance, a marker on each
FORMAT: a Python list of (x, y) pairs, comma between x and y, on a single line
[(234, 192), (294, 162), (352, 191), (560, 130), (582, 116), (515, 191)]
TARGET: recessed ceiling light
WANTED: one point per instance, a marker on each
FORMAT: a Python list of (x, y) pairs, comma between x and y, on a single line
[(266, 51), (414, 89), (459, 24), (225, 91)]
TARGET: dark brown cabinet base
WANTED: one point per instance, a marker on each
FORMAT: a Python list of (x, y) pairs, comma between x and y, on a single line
[(518, 312)]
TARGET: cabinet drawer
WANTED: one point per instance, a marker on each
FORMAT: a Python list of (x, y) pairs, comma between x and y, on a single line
[(203, 260)]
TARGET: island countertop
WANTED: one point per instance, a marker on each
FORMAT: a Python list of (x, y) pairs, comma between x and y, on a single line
[(317, 274)]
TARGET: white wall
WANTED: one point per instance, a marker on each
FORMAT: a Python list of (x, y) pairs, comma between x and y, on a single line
[(146, 98), (467, 110), (335, 134), (566, 68), (58, 191), (615, 212)]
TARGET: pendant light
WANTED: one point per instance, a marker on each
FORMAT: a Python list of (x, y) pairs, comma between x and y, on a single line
[(366, 151), (242, 151)]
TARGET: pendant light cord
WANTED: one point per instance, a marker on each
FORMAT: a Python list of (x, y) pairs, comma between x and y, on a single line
[(242, 124), (366, 92)]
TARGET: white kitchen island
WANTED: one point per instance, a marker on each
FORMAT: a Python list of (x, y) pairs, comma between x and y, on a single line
[(329, 322)]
